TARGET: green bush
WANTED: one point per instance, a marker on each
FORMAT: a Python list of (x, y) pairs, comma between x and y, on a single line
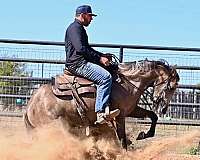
[(194, 151)]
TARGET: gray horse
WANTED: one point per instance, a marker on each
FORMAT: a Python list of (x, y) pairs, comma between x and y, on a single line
[(133, 79)]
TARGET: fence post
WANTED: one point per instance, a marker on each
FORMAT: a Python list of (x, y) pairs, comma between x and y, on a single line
[(121, 54)]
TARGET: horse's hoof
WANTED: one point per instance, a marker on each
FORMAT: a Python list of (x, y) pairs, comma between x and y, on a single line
[(150, 134), (141, 136), (123, 143)]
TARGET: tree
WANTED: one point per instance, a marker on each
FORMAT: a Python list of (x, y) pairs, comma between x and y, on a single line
[(11, 87), (8, 68)]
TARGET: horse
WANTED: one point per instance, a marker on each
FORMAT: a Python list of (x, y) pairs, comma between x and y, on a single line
[(133, 79)]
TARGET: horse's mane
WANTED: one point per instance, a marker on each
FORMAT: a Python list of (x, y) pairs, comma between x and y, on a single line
[(136, 69), (144, 65)]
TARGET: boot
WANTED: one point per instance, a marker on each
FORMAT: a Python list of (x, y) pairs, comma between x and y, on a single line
[(103, 117)]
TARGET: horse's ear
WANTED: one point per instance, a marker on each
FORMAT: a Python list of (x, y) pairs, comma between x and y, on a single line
[(174, 66), (173, 69)]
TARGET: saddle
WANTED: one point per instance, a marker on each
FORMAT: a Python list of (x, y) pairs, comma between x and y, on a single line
[(67, 83)]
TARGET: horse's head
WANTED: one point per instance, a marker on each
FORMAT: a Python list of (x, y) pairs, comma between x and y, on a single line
[(164, 87), (157, 74)]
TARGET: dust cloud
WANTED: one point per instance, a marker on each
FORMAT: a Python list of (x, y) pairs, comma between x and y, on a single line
[(51, 143)]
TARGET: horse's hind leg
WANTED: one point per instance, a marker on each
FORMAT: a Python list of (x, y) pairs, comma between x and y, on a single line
[(30, 129), (28, 125), (143, 113)]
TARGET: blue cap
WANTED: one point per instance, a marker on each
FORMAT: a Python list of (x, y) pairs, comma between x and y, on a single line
[(85, 9)]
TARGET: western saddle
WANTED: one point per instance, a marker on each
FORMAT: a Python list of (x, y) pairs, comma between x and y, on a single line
[(64, 84), (68, 84)]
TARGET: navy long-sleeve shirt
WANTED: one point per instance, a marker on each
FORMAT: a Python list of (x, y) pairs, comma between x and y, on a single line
[(78, 50)]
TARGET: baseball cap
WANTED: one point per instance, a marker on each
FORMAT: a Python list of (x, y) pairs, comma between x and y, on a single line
[(84, 9)]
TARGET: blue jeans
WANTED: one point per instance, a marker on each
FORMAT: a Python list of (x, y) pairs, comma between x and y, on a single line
[(102, 78)]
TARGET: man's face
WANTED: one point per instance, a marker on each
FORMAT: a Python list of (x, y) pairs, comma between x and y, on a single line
[(87, 18)]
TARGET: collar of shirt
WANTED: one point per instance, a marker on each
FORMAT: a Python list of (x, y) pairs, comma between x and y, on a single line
[(77, 21)]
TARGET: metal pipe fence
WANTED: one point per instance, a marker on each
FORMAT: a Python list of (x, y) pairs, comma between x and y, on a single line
[(33, 63)]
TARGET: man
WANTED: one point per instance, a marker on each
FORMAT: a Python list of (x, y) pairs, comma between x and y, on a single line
[(83, 60)]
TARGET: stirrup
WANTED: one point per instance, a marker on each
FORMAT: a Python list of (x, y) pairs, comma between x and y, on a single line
[(101, 118), (114, 113), (107, 116)]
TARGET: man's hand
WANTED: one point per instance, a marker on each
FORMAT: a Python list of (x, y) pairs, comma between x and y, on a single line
[(105, 61), (109, 56)]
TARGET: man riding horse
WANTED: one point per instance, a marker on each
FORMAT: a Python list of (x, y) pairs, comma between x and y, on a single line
[(83, 60)]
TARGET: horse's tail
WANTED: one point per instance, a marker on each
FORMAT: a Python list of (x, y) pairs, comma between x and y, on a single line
[(28, 124)]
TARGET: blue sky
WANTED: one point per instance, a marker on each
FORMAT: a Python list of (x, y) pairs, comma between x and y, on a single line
[(155, 22)]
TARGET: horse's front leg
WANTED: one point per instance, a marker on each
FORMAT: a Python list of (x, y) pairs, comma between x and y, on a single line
[(121, 131), (143, 113)]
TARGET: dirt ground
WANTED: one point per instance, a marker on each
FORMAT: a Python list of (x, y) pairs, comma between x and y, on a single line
[(51, 143)]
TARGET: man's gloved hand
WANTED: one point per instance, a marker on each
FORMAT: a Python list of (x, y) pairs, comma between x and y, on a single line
[(105, 61), (109, 56)]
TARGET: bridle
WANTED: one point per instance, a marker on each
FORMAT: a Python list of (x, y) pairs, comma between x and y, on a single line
[(161, 100), (156, 101)]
